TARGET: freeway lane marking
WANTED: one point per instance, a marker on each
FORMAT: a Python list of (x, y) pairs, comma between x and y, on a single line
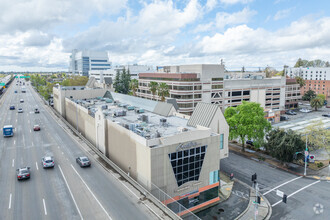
[(297, 192), (74, 201), (282, 185), (91, 192), (37, 165), (14, 142), (12, 164), (43, 200), (9, 202)]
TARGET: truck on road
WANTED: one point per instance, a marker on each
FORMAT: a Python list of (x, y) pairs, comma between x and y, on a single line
[(8, 131)]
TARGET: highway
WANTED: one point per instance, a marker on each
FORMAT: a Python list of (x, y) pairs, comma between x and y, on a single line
[(64, 192)]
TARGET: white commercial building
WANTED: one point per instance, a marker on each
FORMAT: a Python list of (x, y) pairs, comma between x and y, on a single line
[(83, 62), (134, 71)]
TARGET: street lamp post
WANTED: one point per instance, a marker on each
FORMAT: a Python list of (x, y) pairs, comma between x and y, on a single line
[(306, 154)]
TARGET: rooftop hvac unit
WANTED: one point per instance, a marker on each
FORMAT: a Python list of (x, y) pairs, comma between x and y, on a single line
[(130, 108), (145, 118), (182, 129), (140, 110), (126, 126), (120, 113), (104, 107), (162, 121), (131, 127)]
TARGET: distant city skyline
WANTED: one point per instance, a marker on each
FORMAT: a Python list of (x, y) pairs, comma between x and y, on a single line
[(40, 35)]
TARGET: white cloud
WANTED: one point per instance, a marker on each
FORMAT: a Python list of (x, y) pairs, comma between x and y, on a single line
[(282, 14), (22, 15), (210, 4), (305, 35), (232, 2), (242, 17), (17, 53)]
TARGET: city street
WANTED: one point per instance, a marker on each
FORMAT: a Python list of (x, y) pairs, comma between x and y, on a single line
[(65, 191), (307, 198)]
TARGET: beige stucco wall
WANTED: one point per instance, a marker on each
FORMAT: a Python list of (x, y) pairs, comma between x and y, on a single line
[(86, 123), (258, 96), (162, 173), (219, 125), (128, 150)]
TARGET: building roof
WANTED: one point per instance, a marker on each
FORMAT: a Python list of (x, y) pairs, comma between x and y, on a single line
[(163, 108), (90, 82), (203, 114)]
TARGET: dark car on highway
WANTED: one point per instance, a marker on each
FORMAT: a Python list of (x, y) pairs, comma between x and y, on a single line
[(36, 127), (12, 107), (36, 111), (23, 173), (83, 161)]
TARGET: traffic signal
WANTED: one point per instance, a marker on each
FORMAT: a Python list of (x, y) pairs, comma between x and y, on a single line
[(284, 198), (254, 177), (258, 199)]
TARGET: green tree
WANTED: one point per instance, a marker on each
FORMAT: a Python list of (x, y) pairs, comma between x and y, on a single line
[(317, 103), (299, 63), (163, 91), (153, 86), (309, 95), (321, 96), (300, 81), (283, 144), (117, 83), (247, 121), (317, 136), (134, 85)]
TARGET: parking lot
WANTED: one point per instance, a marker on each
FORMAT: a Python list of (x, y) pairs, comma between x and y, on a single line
[(301, 120)]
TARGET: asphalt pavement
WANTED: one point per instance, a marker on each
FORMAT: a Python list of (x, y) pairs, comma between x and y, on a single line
[(307, 198), (64, 192)]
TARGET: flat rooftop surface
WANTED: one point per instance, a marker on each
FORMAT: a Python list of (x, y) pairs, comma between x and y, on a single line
[(133, 120)]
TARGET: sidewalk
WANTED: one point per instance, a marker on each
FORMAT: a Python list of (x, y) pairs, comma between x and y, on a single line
[(264, 210), (236, 203), (322, 174)]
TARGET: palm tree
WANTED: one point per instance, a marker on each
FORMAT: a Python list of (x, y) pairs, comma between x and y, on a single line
[(153, 88), (163, 91), (134, 85), (317, 103)]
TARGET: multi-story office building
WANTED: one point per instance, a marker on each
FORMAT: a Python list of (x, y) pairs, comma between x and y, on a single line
[(292, 93), (316, 78), (134, 71), (190, 84), (82, 62)]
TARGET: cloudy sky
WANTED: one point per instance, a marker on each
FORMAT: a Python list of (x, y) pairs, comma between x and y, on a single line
[(38, 35)]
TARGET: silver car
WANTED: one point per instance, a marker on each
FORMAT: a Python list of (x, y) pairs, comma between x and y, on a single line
[(47, 162), (83, 161)]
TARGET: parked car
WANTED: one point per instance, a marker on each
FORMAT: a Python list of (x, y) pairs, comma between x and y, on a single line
[(12, 107), (36, 127), (290, 112), (249, 142), (36, 111), (284, 118), (20, 110), (48, 162), (83, 161), (304, 110), (23, 173), (326, 115)]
